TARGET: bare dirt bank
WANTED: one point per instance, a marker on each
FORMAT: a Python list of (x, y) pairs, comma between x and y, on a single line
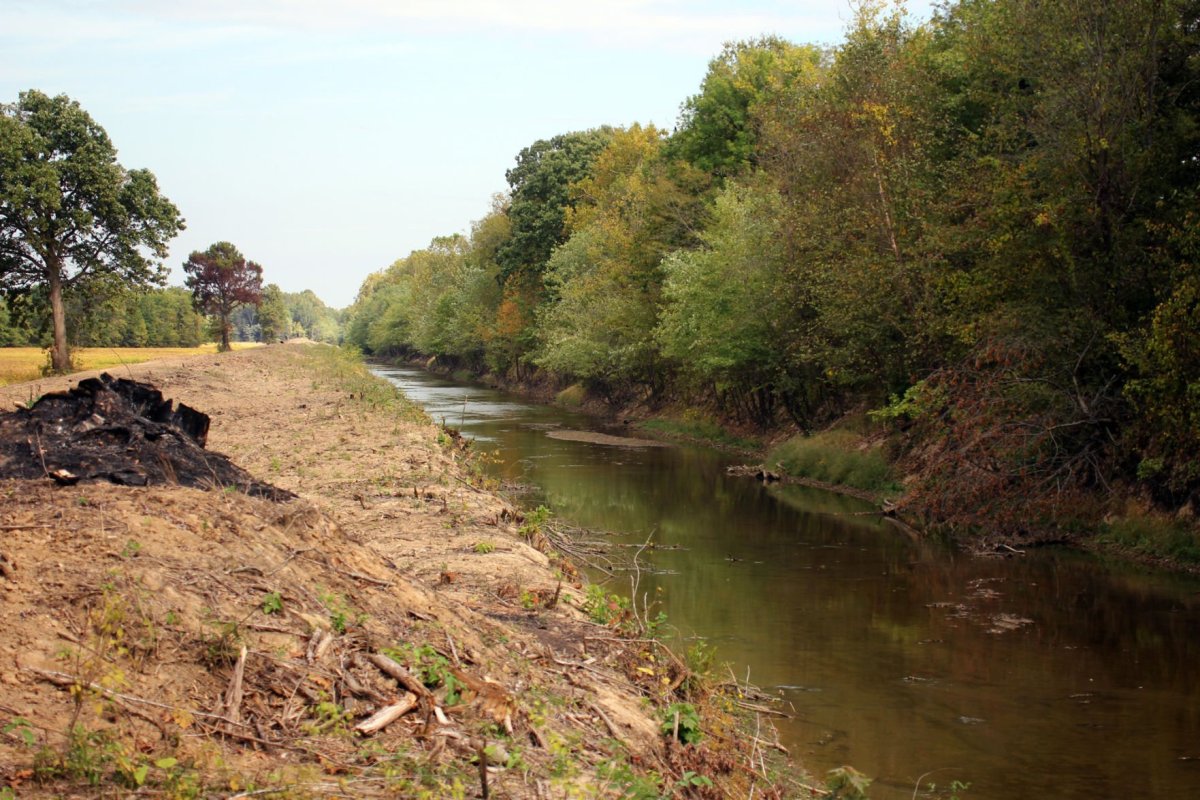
[(185, 643)]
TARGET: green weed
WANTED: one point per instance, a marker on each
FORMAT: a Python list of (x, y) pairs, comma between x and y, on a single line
[(694, 427), (1153, 537), (834, 457), (682, 721)]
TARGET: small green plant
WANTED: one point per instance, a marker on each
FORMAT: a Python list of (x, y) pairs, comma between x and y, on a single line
[(956, 789), (272, 603), (484, 547), (846, 783), (682, 721), (22, 729), (604, 608), (341, 613), (327, 717), (221, 648), (131, 549), (276, 464), (535, 521), (617, 774), (917, 400), (690, 779), (529, 600), (431, 667)]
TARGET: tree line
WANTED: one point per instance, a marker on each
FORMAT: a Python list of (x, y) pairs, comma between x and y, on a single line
[(82, 240), (167, 317), (981, 228)]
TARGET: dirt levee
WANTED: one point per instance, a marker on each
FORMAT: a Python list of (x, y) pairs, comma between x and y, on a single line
[(389, 632)]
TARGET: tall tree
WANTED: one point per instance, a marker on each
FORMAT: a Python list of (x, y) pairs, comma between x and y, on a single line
[(221, 280), (274, 319), (540, 185), (69, 213), (717, 129)]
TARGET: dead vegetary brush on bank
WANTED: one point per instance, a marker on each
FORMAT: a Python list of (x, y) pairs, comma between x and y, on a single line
[(231, 638)]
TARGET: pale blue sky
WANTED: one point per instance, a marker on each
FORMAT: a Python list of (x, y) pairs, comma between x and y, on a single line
[(327, 139)]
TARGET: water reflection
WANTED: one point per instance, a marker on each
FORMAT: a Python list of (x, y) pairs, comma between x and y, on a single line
[(1048, 675)]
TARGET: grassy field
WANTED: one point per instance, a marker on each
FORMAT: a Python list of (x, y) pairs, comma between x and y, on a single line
[(19, 364)]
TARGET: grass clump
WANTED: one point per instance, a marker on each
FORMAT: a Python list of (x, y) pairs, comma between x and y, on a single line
[(1153, 537), (834, 457), (696, 428), (343, 367)]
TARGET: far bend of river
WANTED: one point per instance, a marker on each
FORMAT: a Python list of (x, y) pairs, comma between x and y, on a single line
[(1046, 676)]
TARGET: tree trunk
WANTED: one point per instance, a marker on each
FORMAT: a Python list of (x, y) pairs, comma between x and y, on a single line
[(224, 325), (60, 355)]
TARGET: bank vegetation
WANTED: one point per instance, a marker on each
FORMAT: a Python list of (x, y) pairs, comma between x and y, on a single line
[(976, 235)]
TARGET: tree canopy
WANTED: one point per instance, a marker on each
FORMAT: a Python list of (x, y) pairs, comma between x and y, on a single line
[(70, 214), (221, 280), (982, 228)]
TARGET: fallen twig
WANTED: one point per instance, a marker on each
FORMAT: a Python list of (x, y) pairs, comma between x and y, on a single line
[(394, 669), (387, 715)]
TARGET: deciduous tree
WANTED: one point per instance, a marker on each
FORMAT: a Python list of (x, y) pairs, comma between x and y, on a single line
[(69, 213), (221, 279), (274, 319)]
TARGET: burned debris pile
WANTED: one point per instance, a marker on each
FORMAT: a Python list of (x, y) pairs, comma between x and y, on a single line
[(120, 431)]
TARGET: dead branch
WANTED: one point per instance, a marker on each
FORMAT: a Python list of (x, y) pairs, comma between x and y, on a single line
[(231, 708), (393, 669), (387, 715), (608, 723)]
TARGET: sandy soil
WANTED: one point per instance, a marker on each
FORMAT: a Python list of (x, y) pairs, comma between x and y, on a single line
[(200, 642)]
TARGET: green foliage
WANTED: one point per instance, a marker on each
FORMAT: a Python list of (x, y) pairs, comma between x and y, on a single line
[(272, 603), (834, 457), (311, 318), (605, 608), (70, 215), (846, 783), (274, 318), (682, 721), (431, 667), (535, 521), (22, 729), (982, 225), (540, 186), (697, 428), (722, 320), (717, 131), (572, 396), (619, 776), (1153, 537)]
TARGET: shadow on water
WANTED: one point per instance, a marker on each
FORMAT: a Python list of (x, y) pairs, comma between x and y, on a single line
[(1049, 675)]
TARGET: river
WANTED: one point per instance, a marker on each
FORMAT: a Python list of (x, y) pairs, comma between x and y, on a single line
[(1045, 675)]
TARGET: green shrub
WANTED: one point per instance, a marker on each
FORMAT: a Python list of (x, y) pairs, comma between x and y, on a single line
[(572, 396)]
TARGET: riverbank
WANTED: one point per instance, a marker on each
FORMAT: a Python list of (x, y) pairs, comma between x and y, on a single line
[(849, 458), (194, 642)]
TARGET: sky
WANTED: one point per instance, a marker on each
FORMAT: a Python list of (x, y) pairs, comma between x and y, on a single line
[(326, 139)]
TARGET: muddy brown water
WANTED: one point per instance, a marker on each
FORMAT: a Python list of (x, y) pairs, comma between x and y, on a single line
[(1048, 675)]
